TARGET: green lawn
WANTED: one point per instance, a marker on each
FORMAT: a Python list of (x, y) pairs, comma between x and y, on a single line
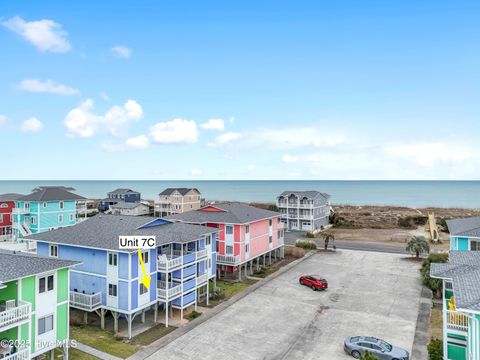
[(264, 272), (102, 340), (75, 354), (149, 336), (436, 319), (228, 289)]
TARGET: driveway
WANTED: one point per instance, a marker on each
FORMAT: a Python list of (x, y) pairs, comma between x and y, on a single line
[(370, 293)]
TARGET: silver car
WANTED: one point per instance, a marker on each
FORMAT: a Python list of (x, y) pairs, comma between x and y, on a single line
[(357, 345)]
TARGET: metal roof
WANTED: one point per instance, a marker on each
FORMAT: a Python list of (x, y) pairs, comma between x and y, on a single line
[(234, 213), (102, 231), (17, 265), (51, 193)]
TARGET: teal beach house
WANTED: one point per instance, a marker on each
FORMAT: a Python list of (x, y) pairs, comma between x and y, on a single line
[(464, 234), (46, 208)]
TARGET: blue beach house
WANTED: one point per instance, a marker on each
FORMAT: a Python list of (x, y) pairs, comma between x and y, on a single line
[(46, 208), (108, 280), (464, 234)]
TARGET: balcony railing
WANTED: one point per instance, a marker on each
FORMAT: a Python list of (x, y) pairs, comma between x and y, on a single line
[(21, 354), (228, 259), (169, 262), (14, 314), (85, 301), (18, 211), (202, 279), (202, 253), (456, 321), (164, 293)]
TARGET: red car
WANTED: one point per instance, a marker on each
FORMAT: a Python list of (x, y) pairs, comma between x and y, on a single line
[(314, 281)]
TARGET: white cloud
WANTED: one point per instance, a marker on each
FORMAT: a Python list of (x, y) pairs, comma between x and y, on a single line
[(177, 131), (104, 96), (48, 86), (32, 125), (213, 124), (196, 172), (224, 139), (121, 51), (140, 142), (83, 122), (45, 34), (289, 159), (3, 120), (231, 120)]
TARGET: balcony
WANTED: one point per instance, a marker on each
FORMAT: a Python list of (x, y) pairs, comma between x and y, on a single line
[(11, 314), (202, 254), (85, 301), (176, 260), (20, 211), (456, 321), (228, 259), (202, 279), (172, 292), (165, 262), (22, 353)]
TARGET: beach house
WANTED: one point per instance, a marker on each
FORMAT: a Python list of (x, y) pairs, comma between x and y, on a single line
[(461, 304), (109, 278), (116, 196), (34, 316), (304, 210), (46, 208), (247, 235), (177, 200), (7, 204), (464, 233)]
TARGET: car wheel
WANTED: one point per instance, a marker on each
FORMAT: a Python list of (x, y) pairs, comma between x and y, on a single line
[(301, 282), (314, 288), (356, 354)]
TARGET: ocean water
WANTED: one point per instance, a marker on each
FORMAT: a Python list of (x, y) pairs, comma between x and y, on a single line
[(402, 193)]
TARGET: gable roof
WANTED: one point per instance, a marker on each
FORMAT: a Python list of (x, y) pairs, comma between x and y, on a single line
[(183, 191), (10, 196), (463, 269), (122, 191), (231, 212), (464, 227), (16, 265), (102, 231), (51, 193), (311, 194)]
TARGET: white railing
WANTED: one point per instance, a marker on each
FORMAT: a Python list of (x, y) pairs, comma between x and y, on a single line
[(85, 301), (164, 262), (8, 237), (228, 259), (21, 354), (202, 279), (163, 293), (305, 206), (448, 285), (202, 253), (456, 321), (20, 211), (15, 314), (303, 216)]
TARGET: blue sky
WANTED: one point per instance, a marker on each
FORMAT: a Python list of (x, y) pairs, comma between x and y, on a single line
[(240, 90)]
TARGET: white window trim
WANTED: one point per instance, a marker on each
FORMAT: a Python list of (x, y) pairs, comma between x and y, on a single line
[(43, 317), (53, 246)]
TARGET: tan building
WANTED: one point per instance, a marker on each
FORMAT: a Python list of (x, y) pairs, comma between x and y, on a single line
[(177, 200)]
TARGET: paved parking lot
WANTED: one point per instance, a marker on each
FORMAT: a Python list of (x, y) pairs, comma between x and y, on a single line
[(370, 293)]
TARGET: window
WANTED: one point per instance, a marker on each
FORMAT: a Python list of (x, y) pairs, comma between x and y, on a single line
[(27, 205), (60, 204), (247, 229), (270, 222), (217, 246), (54, 250), (1, 218), (72, 217), (44, 204), (208, 240), (32, 220), (112, 259), (60, 218), (229, 229), (247, 248), (143, 289), (229, 249), (270, 239), (145, 257), (46, 280), (474, 245), (45, 324), (112, 290), (279, 234)]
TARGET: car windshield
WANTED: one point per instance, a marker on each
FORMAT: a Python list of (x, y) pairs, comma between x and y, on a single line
[(386, 346)]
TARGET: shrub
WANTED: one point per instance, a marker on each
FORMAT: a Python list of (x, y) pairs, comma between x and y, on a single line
[(307, 245), (272, 207), (435, 349), (294, 251), (309, 235), (411, 222), (418, 245), (217, 294), (367, 355), (443, 224), (434, 284), (193, 315)]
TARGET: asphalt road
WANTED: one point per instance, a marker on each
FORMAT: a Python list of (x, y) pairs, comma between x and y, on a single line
[(292, 236)]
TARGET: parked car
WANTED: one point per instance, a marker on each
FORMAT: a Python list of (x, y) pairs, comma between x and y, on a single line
[(357, 345), (314, 281)]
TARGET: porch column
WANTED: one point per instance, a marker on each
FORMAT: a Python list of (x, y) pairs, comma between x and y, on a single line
[(129, 319), (115, 321), (85, 317), (52, 354), (65, 351), (240, 273), (270, 258), (166, 314), (102, 318), (155, 313), (208, 287), (143, 316)]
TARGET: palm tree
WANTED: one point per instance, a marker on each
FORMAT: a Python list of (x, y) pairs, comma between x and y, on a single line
[(418, 245)]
